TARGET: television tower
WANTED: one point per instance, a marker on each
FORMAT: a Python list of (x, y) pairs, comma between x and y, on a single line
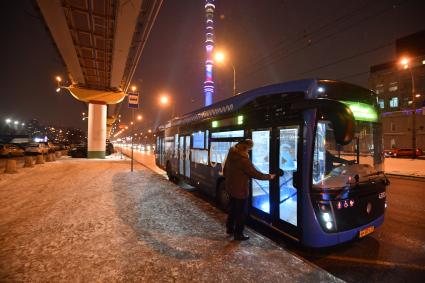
[(209, 47)]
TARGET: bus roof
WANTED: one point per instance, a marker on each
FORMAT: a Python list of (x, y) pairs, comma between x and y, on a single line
[(312, 88)]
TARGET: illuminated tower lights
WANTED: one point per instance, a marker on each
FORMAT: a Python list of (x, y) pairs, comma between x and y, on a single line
[(209, 47)]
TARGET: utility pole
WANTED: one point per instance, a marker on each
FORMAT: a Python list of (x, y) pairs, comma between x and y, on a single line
[(133, 102), (132, 136), (413, 114)]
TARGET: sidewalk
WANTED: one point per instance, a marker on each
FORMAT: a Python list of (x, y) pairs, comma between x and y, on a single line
[(92, 220), (405, 167)]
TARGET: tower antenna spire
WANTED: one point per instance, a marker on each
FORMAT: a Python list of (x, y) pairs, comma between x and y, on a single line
[(209, 47)]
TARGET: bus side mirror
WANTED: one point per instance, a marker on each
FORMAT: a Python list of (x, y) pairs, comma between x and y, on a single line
[(342, 120), (336, 112)]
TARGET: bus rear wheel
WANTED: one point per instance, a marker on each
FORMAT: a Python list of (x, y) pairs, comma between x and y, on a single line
[(222, 197)]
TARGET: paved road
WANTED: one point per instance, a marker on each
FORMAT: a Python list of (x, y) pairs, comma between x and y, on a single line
[(394, 253)]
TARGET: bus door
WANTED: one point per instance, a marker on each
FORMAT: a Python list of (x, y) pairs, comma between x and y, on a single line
[(187, 157), (181, 155), (285, 197), (260, 190)]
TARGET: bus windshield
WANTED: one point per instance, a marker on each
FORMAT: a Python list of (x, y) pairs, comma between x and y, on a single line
[(336, 166)]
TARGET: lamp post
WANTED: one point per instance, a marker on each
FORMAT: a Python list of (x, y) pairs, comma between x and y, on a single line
[(220, 57), (84, 117), (405, 63), (133, 89), (164, 100)]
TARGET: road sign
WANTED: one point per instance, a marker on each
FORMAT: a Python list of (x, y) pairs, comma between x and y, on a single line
[(133, 100)]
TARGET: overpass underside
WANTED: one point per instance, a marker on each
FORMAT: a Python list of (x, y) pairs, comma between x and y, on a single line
[(100, 43)]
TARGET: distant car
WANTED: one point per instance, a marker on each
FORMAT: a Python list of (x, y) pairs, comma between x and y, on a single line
[(10, 150), (109, 148), (402, 152), (79, 151), (390, 152), (58, 146), (407, 152), (36, 148), (50, 147)]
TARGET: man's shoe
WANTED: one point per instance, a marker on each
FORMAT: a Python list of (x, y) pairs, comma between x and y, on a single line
[(241, 237)]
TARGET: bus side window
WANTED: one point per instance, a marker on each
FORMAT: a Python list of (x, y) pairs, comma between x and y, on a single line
[(219, 150)]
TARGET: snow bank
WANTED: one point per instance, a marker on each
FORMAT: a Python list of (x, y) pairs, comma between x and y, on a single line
[(405, 167)]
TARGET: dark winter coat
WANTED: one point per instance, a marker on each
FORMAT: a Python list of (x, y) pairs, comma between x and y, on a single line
[(237, 171)]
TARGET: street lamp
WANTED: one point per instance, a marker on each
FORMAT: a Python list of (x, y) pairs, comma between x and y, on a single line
[(8, 121), (60, 86), (84, 116), (58, 79), (404, 62), (220, 57), (165, 100)]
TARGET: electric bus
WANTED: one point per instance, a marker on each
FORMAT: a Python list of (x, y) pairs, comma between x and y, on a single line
[(323, 139)]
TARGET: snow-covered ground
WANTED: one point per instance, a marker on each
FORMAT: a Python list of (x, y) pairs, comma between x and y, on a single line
[(405, 167), (85, 220)]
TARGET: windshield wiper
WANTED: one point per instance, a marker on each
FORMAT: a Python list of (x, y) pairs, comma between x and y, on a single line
[(374, 174)]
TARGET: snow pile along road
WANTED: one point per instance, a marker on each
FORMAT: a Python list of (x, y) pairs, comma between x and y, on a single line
[(405, 167)]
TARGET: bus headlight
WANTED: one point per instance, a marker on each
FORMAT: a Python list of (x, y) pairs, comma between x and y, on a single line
[(327, 217)]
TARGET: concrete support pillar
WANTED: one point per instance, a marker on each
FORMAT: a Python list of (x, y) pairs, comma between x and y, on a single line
[(28, 161), (10, 166), (96, 130)]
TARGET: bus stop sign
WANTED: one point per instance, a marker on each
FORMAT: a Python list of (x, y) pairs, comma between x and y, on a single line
[(133, 100)]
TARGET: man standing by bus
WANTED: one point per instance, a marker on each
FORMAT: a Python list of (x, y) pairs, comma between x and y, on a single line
[(237, 171)]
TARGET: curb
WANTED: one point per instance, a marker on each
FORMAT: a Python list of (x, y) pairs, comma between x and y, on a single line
[(407, 177)]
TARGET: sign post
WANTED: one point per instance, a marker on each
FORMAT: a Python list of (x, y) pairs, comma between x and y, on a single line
[(133, 103)]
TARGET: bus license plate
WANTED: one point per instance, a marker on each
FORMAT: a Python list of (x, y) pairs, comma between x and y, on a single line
[(366, 231)]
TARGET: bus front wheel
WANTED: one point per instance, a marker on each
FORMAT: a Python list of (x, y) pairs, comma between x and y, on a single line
[(222, 197)]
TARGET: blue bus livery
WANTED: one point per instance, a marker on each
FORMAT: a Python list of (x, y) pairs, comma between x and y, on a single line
[(322, 137)]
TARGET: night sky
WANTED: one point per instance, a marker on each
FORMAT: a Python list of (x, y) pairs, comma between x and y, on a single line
[(267, 41)]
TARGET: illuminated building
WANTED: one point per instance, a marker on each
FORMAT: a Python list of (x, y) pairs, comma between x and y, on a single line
[(209, 47), (393, 85)]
